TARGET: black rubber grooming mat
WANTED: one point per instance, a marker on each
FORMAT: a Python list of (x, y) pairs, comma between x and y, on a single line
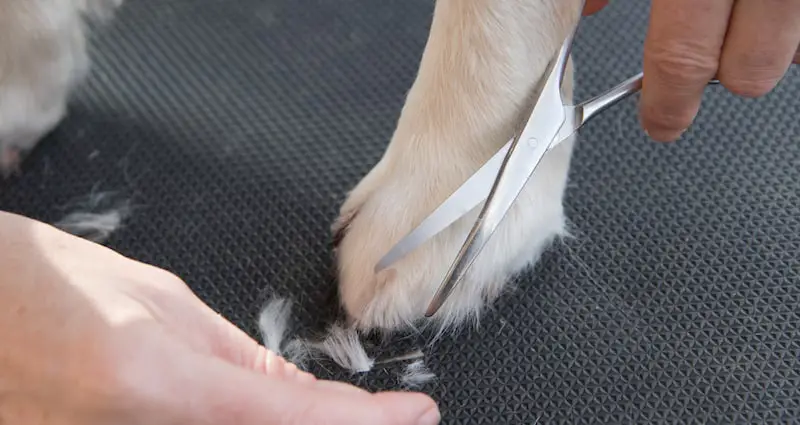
[(237, 127)]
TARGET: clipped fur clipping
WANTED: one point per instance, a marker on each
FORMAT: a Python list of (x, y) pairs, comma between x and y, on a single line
[(297, 352), (343, 347), (416, 374), (96, 216), (272, 322), (340, 345)]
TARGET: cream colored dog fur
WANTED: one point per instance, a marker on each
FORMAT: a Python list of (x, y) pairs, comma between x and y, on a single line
[(479, 73)]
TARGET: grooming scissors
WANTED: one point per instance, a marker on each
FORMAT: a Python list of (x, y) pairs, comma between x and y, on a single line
[(501, 179)]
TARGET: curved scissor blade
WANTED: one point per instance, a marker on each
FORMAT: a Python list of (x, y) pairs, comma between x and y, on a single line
[(463, 200), (523, 157), (468, 196)]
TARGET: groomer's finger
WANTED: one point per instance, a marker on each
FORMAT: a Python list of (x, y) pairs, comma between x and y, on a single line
[(761, 44), (593, 6), (681, 55)]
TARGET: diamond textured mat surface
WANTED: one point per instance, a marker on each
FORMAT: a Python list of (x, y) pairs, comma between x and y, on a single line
[(236, 127)]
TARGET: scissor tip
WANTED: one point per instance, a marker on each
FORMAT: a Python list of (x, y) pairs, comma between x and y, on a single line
[(382, 265), (432, 308), (384, 269)]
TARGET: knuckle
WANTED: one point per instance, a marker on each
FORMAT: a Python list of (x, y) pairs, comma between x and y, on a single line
[(677, 62), (748, 86), (753, 74), (668, 119)]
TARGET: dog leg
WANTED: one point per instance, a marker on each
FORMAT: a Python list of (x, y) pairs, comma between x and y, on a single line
[(42, 57), (481, 68)]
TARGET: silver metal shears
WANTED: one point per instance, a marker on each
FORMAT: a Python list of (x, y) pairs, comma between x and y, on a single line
[(501, 179)]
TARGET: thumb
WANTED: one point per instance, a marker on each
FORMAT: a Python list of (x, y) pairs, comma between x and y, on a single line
[(224, 393)]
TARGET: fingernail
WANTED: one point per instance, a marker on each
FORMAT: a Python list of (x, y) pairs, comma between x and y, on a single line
[(665, 136), (431, 417)]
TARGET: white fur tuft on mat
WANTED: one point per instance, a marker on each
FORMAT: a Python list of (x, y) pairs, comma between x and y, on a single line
[(273, 322), (96, 216), (340, 345), (297, 352), (343, 347), (416, 374)]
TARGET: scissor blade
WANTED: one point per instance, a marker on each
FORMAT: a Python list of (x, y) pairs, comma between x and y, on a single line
[(462, 201), (521, 161), (468, 196)]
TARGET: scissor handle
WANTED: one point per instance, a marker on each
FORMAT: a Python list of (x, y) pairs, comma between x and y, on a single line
[(601, 102)]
